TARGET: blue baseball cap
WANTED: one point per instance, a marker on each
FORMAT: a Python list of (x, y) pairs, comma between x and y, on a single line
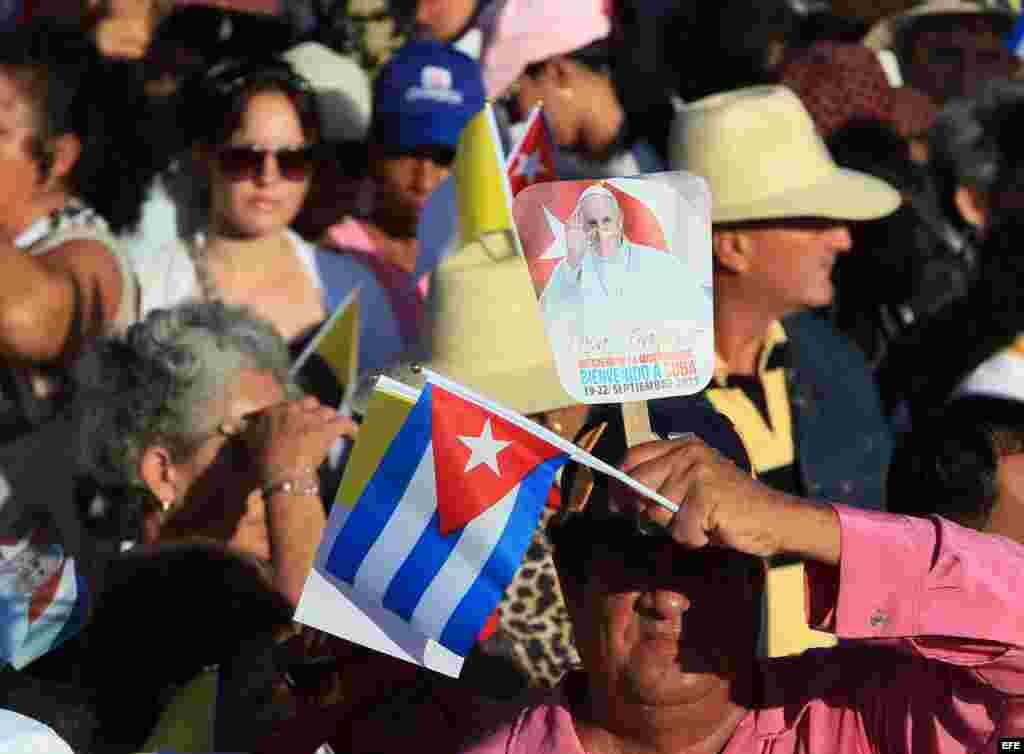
[(424, 96)]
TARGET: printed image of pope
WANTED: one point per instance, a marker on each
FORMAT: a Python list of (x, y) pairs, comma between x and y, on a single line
[(605, 278)]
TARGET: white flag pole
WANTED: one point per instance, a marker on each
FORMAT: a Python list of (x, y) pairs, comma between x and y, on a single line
[(576, 453)]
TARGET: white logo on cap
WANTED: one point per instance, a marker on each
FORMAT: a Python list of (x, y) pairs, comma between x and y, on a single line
[(436, 78), (436, 85)]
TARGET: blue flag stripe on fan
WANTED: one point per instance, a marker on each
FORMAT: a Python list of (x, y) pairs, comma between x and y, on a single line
[(462, 629), (383, 492)]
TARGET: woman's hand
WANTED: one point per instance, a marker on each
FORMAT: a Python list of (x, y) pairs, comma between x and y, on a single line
[(719, 504), (290, 440)]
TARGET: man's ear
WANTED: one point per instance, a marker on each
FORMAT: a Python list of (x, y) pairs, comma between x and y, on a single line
[(733, 250), (157, 470), (972, 205)]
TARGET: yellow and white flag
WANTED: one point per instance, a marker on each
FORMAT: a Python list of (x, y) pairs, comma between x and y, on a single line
[(335, 349)]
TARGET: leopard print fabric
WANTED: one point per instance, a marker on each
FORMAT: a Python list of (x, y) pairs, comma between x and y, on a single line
[(534, 630)]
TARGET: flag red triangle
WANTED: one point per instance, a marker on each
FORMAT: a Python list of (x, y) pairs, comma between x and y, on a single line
[(533, 161), (463, 495)]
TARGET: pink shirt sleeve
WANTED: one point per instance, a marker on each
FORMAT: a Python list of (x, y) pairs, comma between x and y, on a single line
[(953, 594)]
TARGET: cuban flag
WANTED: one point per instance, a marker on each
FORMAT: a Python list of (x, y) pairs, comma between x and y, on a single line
[(532, 160), (444, 522)]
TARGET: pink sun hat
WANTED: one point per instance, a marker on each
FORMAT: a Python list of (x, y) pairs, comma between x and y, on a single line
[(527, 31)]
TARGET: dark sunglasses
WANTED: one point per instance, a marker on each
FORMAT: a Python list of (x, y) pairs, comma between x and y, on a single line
[(245, 162)]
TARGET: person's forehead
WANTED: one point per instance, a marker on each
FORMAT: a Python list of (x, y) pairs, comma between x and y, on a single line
[(788, 228), (253, 390), (609, 553)]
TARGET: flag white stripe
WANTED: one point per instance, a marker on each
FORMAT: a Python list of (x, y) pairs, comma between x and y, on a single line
[(402, 531), (462, 568)]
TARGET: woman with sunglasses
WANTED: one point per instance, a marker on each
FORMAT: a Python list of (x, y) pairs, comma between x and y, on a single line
[(255, 132)]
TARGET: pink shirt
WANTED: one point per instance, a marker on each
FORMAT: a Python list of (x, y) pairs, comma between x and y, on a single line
[(350, 234), (350, 237), (945, 607)]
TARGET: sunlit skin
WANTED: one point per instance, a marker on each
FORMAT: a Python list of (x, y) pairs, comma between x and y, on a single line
[(23, 197), (791, 264), (445, 18), (581, 106), (248, 254), (50, 305), (267, 203), (765, 271)]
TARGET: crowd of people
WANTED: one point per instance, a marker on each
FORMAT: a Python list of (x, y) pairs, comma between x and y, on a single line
[(195, 189)]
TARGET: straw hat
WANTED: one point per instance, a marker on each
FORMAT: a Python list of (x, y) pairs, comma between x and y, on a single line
[(487, 331), (763, 158), (342, 90), (883, 34)]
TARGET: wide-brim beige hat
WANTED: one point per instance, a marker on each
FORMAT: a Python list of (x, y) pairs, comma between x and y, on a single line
[(882, 35), (487, 331), (763, 159), (343, 90)]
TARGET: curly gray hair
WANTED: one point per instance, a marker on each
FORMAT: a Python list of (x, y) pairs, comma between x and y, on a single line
[(162, 383)]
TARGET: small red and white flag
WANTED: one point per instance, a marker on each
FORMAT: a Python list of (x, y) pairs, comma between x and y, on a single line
[(533, 159)]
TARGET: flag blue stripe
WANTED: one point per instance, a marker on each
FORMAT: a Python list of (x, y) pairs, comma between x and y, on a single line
[(420, 568), (464, 626), (383, 492), (1016, 36)]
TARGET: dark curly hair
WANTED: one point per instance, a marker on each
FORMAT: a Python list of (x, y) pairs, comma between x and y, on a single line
[(215, 100)]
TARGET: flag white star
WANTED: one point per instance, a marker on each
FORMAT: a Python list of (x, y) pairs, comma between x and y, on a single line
[(529, 165), (557, 249), (484, 449)]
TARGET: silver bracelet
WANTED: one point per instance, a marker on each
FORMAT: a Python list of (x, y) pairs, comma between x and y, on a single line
[(303, 487)]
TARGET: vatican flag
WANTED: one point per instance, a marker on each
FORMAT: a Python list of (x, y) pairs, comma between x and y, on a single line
[(481, 182)]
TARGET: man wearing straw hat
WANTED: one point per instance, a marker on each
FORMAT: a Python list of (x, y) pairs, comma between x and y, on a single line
[(800, 394)]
